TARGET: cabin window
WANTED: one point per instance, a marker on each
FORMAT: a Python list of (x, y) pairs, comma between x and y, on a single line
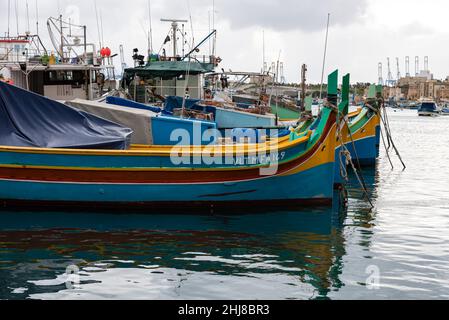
[(69, 77)]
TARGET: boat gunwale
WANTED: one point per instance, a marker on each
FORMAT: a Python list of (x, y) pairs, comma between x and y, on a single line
[(150, 150)]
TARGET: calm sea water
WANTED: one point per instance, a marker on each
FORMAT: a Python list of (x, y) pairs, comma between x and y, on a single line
[(399, 250)]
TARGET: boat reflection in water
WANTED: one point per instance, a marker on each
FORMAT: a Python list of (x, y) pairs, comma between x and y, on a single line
[(278, 255)]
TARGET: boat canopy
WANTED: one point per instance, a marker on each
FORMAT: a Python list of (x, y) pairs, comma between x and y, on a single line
[(170, 69), (30, 120)]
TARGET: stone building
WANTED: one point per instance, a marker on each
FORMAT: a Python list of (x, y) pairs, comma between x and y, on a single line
[(421, 86)]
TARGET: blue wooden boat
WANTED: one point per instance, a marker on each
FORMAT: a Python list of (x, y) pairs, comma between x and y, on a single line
[(295, 171), (428, 108)]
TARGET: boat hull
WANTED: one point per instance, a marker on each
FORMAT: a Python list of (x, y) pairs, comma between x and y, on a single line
[(310, 187), (150, 179), (365, 148), (428, 114)]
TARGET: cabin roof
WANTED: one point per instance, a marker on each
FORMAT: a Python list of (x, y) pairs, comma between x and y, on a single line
[(171, 69)]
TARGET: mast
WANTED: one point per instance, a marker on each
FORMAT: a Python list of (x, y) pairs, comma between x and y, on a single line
[(213, 28), (150, 35), (325, 53), (9, 16), (303, 87), (263, 51), (37, 19), (174, 26)]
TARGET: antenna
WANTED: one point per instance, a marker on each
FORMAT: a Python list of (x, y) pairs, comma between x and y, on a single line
[(174, 24), (263, 52), (122, 58), (28, 19), (191, 23), (416, 66), (101, 27), (325, 53), (407, 66), (37, 19), (98, 23), (213, 27), (380, 73), (17, 16)]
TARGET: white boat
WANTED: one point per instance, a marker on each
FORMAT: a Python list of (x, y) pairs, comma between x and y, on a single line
[(72, 69)]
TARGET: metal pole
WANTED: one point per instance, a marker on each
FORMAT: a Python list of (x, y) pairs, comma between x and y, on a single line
[(85, 45), (62, 39), (324, 58), (37, 19), (303, 87), (263, 51), (175, 27)]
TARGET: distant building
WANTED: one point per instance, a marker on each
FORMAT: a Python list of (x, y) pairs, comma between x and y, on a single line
[(421, 86)]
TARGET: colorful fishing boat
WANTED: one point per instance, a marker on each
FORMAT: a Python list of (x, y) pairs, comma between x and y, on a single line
[(285, 173)]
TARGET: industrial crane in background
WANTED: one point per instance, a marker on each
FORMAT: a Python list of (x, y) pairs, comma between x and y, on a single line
[(390, 81), (407, 66), (380, 73), (416, 66)]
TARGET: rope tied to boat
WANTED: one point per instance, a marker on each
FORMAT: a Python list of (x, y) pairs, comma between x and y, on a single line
[(389, 142), (346, 154)]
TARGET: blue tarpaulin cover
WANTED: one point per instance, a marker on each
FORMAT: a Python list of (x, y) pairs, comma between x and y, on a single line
[(30, 120)]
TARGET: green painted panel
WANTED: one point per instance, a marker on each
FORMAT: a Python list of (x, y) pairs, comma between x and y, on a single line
[(332, 83), (372, 91), (309, 103)]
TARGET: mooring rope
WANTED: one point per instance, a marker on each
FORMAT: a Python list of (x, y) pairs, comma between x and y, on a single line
[(386, 123), (345, 152)]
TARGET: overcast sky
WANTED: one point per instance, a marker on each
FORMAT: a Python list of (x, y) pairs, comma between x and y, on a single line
[(362, 33)]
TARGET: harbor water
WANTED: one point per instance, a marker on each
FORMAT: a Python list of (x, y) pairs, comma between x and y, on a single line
[(399, 250)]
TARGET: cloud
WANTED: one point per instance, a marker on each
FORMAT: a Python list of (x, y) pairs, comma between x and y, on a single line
[(282, 15), (306, 15), (416, 29)]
